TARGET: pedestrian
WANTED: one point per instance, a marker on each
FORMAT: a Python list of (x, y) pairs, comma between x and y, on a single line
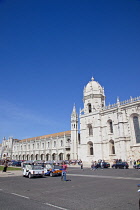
[(43, 165), (64, 170), (21, 164), (81, 165), (130, 162), (134, 162), (92, 166), (95, 166), (5, 165), (102, 164)]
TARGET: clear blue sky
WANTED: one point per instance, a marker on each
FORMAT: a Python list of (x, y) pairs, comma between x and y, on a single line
[(50, 49)]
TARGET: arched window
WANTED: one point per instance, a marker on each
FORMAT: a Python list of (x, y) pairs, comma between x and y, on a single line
[(61, 143), (42, 156), (54, 143), (48, 144), (90, 148), (68, 156), (89, 108), (36, 157), (23, 157), (112, 147), (53, 156), (136, 128), (111, 127), (47, 157), (68, 140), (32, 157), (61, 156), (27, 157), (110, 124), (90, 130)]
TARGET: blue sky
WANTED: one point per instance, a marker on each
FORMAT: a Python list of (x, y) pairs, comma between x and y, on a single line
[(50, 49)]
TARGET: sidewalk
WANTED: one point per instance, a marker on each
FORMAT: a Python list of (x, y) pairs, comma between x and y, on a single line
[(11, 173)]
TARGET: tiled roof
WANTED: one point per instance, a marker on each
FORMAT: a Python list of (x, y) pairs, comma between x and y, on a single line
[(47, 136)]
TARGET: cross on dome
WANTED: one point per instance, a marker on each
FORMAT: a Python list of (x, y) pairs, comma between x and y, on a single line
[(92, 78)]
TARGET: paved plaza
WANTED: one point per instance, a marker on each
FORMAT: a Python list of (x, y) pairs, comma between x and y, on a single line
[(107, 189)]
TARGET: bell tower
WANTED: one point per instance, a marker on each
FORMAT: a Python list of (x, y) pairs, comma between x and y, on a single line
[(94, 98), (74, 134)]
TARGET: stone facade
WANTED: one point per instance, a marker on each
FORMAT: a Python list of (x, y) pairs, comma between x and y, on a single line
[(106, 132), (49, 147)]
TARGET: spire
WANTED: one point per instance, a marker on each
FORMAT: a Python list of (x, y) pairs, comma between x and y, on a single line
[(103, 91), (74, 114), (92, 79), (118, 100), (74, 109)]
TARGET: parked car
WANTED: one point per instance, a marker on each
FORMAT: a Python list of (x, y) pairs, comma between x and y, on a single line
[(66, 161), (27, 162), (137, 166), (105, 165), (16, 163), (33, 171), (120, 165), (52, 170)]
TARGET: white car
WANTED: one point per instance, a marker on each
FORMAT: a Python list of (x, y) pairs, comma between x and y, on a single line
[(33, 171)]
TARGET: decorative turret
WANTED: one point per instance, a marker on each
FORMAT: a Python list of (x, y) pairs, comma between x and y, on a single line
[(94, 98)]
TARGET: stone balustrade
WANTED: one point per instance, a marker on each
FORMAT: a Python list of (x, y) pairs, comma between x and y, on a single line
[(121, 103)]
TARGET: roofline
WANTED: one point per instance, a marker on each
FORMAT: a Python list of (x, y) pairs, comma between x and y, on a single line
[(47, 136)]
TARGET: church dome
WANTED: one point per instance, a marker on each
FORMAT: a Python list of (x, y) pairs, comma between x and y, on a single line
[(93, 87)]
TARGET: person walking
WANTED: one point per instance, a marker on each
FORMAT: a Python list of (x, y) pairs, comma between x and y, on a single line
[(64, 170), (5, 165), (82, 166), (92, 166), (102, 164)]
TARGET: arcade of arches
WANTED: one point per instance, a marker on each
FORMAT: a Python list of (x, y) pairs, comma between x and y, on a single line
[(46, 157)]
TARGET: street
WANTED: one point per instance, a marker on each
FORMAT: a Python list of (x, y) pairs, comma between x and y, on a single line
[(106, 189)]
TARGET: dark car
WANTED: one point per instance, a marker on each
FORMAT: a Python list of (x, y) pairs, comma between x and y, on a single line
[(105, 165), (16, 163), (120, 165)]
